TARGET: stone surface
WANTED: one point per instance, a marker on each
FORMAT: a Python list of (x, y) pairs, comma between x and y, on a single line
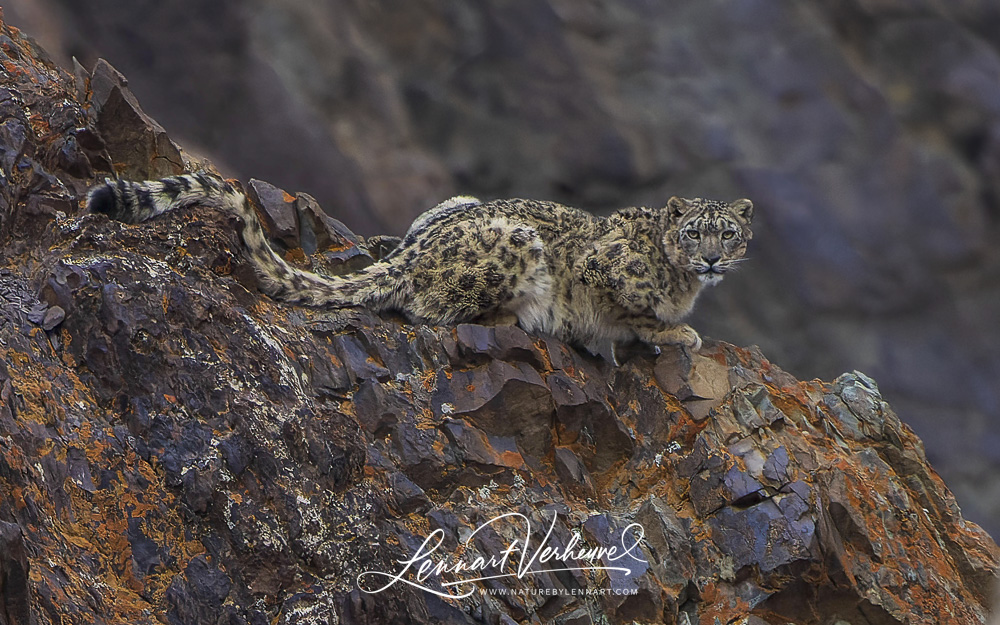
[(176, 447), (132, 138), (15, 590), (277, 211), (342, 250), (866, 131)]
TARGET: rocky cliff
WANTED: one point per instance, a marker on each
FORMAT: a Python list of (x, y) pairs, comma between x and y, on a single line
[(176, 447), (866, 131)]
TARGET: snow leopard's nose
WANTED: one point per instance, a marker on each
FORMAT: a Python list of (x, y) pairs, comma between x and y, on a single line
[(711, 260)]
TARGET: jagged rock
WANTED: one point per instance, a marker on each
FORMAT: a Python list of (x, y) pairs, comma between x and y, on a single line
[(178, 447), (133, 139), (342, 251), (277, 211), (866, 131), (15, 604)]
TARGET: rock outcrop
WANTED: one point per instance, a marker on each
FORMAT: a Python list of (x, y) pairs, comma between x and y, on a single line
[(866, 131), (176, 447)]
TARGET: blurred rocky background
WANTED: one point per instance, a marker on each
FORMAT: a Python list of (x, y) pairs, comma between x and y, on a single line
[(867, 132)]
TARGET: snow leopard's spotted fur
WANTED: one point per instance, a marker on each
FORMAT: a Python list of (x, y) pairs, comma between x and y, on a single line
[(554, 269)]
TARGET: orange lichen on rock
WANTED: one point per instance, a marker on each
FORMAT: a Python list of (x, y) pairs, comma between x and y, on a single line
[(175, 447)]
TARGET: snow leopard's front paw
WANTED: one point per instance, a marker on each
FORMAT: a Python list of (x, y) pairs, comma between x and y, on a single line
[(681, 334)]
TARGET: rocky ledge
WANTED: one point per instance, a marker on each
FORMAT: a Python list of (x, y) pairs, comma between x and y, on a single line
[(176, 447)]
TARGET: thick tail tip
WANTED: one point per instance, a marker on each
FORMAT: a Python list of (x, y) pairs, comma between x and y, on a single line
[(102, 199)]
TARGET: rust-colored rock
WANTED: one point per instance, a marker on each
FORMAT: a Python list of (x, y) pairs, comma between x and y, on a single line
[(133, 139), (277, 208), (176, 447)]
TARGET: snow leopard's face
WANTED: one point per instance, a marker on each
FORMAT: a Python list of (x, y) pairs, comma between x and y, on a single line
[(707, 237)]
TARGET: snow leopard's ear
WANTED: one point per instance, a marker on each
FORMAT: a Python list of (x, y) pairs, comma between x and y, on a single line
[(743, 209), (676, 208)]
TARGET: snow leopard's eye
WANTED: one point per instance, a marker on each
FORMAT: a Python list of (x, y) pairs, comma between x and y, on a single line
[(728, 234), (692, 233)]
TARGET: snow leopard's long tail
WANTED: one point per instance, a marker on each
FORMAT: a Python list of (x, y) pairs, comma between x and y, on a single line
[(132, 202)]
